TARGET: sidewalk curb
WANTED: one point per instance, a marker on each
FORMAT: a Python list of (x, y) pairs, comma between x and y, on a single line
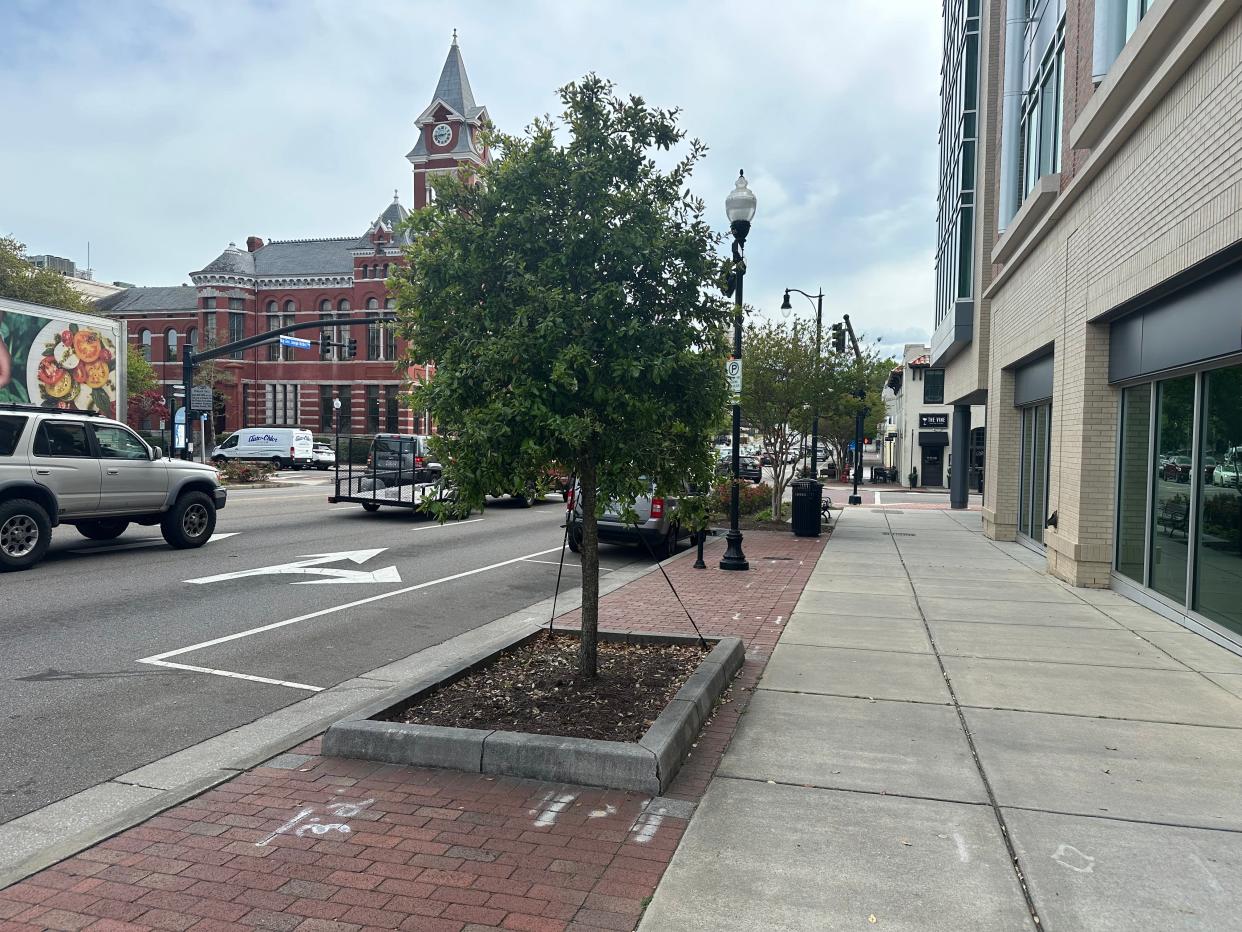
[(41, 838)]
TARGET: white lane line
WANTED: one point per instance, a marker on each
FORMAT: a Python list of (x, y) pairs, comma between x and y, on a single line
[(432, 527), (877, 498), (338, 608), (142, 544), (231, 675), (574, 563)]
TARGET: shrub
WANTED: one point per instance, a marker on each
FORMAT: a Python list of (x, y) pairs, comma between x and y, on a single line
[(751, 498), (765, 515), (243, 473)]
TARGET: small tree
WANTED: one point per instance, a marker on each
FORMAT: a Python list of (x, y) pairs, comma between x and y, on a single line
[(778, 393), (566, 293), (21, 281), (844, 378)]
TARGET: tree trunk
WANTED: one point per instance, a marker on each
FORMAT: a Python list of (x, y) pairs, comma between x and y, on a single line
[(776, 497), (587, 660)]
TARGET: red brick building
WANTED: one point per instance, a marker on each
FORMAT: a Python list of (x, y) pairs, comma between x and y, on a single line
[(244, 292)]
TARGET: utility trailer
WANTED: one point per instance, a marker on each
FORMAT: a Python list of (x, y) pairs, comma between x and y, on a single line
[(395, 474)]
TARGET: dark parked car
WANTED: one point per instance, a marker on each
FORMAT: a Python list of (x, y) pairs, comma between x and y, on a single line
[(1176, 469), (749, 468)]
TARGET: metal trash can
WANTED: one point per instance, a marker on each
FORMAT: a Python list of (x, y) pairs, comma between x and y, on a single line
[(806, 502)]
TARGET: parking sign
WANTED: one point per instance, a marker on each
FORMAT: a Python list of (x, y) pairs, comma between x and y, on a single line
[(733, 372)]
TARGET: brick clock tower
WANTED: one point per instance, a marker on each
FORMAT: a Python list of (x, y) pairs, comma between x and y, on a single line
[(449, 129)]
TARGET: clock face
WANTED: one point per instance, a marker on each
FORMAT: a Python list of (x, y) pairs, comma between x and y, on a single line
[(441, 134)]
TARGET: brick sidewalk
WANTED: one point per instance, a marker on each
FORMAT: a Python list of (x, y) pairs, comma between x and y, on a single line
[(315, 843)]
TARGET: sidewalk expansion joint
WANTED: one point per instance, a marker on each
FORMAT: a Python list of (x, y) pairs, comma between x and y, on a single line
[(861, 698), (997, 813), (858, 791), (1129, 820)]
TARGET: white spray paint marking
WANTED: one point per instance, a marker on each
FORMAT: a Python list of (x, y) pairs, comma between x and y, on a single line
[(1212, 882), (737, 616), (778, 619), (601, 813), (646, 825), (1074, 859), (962, 854), (547, 816), (316, 827)]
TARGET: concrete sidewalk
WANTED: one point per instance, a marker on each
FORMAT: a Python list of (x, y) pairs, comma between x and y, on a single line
[(946, 738)]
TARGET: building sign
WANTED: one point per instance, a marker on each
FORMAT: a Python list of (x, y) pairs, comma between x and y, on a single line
[(934, 421)]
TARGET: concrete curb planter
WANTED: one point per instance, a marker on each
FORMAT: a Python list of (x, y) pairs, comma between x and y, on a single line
[(647, 765)]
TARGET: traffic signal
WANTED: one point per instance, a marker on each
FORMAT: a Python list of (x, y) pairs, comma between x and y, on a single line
[(838, 337), (351, 352), (325, 346)]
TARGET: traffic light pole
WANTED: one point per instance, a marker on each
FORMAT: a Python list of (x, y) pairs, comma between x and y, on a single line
[(190, 359)]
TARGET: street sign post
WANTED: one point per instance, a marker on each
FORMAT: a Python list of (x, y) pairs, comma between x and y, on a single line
[(733, 372), (297, 342)]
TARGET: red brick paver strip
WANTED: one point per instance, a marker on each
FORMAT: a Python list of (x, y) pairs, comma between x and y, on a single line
[(351, 845)]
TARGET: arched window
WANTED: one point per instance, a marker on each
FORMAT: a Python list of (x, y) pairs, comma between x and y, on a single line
[(290, 308), (170, 341), (342, 306), (385, 269), (325, 308), (144, 338), (374, 344), (191, 337), (390, 331), (271, 307)]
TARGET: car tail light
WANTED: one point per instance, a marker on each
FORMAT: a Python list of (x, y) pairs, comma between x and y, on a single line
[(569, 500), (657, 508), (418, 461), (291, 453)]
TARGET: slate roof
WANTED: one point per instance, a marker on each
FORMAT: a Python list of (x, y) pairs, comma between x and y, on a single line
[(134, 300), (454, 87), (305, 257), (232, 261)]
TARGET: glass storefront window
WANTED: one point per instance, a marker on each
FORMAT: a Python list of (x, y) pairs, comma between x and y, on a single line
[(1218, 555), (1132, 481), (1170, 526)]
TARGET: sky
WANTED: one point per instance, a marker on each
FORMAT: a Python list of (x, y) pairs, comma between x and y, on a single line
[(161, 131)]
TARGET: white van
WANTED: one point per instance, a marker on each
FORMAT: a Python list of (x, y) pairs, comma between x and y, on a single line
[(281, 446)]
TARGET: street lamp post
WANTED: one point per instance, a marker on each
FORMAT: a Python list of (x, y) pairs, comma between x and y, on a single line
[(740, 208), (786, 308), (856, 499)]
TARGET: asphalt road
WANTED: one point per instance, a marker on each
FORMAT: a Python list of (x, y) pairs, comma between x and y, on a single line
[(78, 707)]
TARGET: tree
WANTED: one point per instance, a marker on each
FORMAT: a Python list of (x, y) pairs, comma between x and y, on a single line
[(21, 281), (565, 293), (139, 374), (779, 390)]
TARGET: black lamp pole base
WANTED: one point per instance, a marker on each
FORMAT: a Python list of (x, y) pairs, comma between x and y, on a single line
[(855, 499), (733, 558)]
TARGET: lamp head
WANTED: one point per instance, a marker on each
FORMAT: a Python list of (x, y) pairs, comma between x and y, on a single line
[(786, 307), (740, 207)]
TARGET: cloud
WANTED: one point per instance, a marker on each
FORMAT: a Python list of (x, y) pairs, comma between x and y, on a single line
[(161, 131)]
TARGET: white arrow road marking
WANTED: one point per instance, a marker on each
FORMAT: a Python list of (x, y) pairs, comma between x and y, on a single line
[(109, 547), (161, 660), (309, 566)]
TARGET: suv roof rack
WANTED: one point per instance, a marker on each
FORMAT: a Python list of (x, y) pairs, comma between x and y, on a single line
[(40, 409)]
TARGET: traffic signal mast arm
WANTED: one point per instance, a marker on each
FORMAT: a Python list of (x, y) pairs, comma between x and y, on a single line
[(849, 328), (189, 358)]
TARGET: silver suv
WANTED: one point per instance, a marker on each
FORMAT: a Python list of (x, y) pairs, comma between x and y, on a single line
[(655, 528), (61, 467)]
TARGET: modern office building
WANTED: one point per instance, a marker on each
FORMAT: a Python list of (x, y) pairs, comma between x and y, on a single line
[(1102, 318)]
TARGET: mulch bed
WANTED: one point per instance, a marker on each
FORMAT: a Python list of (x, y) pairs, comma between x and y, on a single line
[(536, 689)]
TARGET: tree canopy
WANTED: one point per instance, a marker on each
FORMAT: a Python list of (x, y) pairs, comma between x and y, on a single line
[(565, 293), (21, 281)]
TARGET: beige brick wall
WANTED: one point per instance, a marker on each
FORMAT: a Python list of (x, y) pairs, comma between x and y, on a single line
[(1170, 197)]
